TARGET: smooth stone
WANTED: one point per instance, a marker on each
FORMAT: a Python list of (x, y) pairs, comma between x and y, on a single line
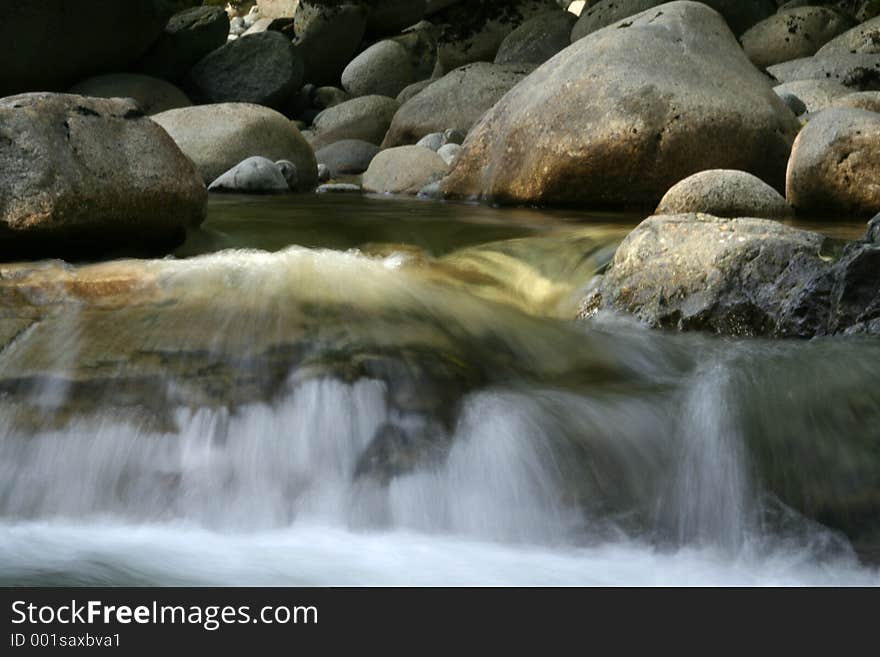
[(432, 141), (255, 175), (792, 34), (326, 97), (153, 95), (188, 37), (403, 170), (217, 137), (366, 118), (814, 94), (412, 90), (449, 153), (338, 188), (538, 39), (327, 38), (348, 156), (382, 69), (724, 193)]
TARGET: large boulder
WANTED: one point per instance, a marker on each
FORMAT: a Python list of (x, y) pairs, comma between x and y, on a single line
[(538, 39), (366, 118), (188, 37), (457, 100), (403, 170), (622, 115), (724, 193), (217, 137), (864, 38), (83, 175), (349, 156), (835, 164), (51, 44), (859, 71), (792, 34), (327, 38), (262, 68), (383, 69), (739, 14), (153, 95)]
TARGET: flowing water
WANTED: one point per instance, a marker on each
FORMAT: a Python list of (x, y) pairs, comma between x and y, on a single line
[(347, 391)]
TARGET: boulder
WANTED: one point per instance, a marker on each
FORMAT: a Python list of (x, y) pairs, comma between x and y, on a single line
[(698, 272), (188, 37), (420, 43), (858, 71), (620, 116), (325, 97), (432, 141), (366, 118), (473, 30), (152, 95), (53, 44), (449, 153), (277, 8), (795, 104), (217, 137), (349, 156), (457, 100), (865, 100), (403, 170), (327, 38), (792, 34), (412, 90), (835, 164), (263, 69), (864, 38), (80, 176), (739, 14), (383, 69), (815, 94), (538, 39), (256, 175), (724, 193)]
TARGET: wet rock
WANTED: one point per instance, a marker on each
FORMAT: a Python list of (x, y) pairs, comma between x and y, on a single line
[(403, 170), (217, 137), (366, 118), (864, 38), (724, 193), (792, 34), (538, 39), (457, 100), (394, 451), (327, 38), (835, 164), (54, 44), (152, 95), (188, 37), (667, 93), (383, 69), (814, 94), (739, 14), (255, 175), (348, 156), (84, 175), (263, 69), (857, 71)]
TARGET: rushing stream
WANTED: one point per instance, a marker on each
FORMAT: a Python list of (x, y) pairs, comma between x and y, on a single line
[(374, 392)]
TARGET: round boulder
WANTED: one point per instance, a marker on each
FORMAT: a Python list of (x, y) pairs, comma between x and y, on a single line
[(835, 164), (256, 175), (366, 118), (403, 170), (349, 156), (262, 68), (383, 69), (864, 38), (724, 193), (620, 116), (538, 39), (153, 95), (792, 33), (327, 37), (82, 175), (217, 137), (188, 37)]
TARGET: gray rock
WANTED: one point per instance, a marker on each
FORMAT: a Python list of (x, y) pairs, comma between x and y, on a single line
[(236, 27), (864, 38), (327, 37), (457, 100), (188, 37), (391, 16), (431, 190), (80, 175), (453, 136), (52, 45), (263, 69), (323, 173), (815, 94), (217, 137), (366, 118), (664, 96), (153, 95), (792, 34), (403, 170), (865, 100), (724, 193), (835, 164), (348, 156), (449, 153), (383, 69), (795, 104), (255, 175), (338, 188), (412, 90), (739, 14), (277, 8), (538, 39), (326, 97), (289, 171), (432, 141), (857, 71)]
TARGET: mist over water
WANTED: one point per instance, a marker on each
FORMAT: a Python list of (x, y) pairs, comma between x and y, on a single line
[(323, 418)]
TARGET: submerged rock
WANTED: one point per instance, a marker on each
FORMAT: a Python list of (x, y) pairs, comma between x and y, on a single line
[(724, 193), (863, 38), (384, 69), (620, 116), (80, 176)]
